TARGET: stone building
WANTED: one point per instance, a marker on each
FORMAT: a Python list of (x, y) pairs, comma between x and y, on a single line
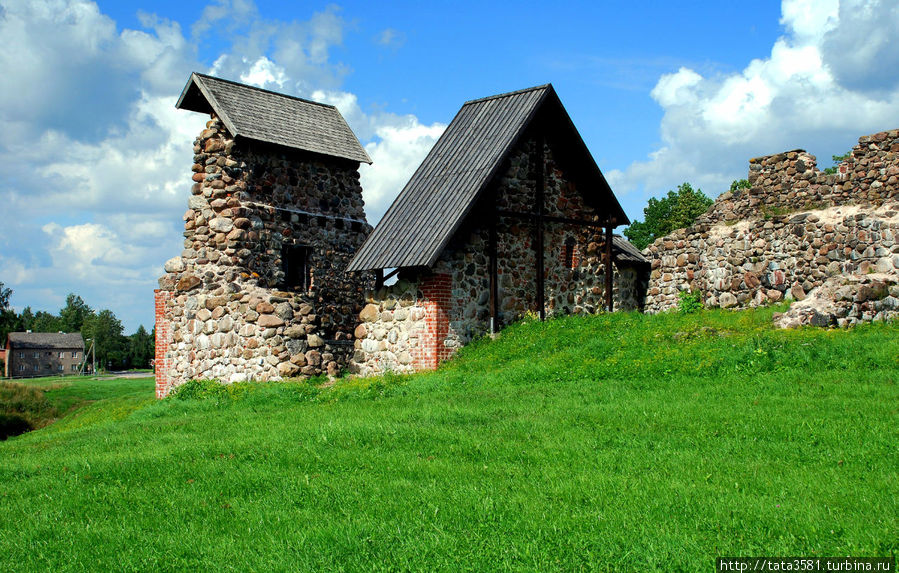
[(33, 354), (508, 214), (797, 229), (275, 215)]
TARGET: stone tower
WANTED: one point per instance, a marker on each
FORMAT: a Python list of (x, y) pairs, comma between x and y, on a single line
[(275, 215)]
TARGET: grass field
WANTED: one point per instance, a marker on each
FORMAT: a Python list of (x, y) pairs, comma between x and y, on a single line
[(37, 402), (618, 442)]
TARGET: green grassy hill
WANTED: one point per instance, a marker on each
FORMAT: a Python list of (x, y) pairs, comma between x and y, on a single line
[(621, 442)]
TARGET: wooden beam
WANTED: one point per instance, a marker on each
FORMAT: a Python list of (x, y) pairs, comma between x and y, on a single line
[(538, 231), (551, 218), (609, 270), (491, 248)]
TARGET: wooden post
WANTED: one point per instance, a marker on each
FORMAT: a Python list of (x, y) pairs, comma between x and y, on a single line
[(609, 265), (538, 239), (494, 317)]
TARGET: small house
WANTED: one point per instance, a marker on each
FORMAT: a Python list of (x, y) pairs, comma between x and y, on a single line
[(281, 275)]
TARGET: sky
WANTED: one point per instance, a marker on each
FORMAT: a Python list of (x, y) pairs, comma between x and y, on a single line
[(95, 159)]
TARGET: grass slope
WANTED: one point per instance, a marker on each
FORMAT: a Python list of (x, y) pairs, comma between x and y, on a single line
[(34, 403), (586, 443)]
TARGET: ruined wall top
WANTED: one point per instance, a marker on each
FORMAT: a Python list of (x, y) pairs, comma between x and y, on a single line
[(790, 181), (794, 229)]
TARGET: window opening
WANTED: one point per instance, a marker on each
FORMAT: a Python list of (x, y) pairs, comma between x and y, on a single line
[(297, 270), (568, 255)]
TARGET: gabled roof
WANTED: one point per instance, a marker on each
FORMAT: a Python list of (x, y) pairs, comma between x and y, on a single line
[(45, 340), (464, 161), (262, 115)]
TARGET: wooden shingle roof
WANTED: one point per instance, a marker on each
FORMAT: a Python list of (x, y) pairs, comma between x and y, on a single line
[(45, 340), (254, 113), (623, 250), (467, 157)]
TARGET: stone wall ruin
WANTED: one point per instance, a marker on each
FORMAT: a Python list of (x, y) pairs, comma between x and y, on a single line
[(794, 229)]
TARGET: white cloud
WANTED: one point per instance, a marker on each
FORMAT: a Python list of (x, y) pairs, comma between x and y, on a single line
[(397, 144), (97, 159), (830, 79), (264, 72), (390, 38), (862, 51), (286, 56), (395, 156)]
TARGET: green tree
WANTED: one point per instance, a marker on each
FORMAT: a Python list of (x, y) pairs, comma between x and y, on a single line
[(74, 313), (141, 348), (27, 318), (105, 330), (837, 159), (45, 322), (662, 216), (9, 320), (740, 184)]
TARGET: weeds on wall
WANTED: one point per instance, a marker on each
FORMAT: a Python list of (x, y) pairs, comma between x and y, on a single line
[(689, 302)]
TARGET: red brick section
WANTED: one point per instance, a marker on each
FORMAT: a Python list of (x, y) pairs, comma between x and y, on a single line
[(575, 256), (432, 349), (163, 338)]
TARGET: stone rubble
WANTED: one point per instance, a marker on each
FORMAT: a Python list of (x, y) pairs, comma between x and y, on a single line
[(846, 301)]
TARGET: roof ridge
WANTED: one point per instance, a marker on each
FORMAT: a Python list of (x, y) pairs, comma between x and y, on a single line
[(508, 94), (263, 90)]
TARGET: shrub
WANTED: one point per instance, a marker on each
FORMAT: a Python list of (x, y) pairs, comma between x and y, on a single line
[(689, 302)]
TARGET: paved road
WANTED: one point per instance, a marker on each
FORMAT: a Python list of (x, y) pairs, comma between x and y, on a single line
[(126, 374)]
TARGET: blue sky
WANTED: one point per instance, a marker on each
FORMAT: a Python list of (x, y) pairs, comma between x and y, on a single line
[(97, 160)]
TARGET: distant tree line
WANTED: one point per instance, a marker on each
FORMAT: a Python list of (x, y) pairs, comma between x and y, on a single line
[(114, 350)]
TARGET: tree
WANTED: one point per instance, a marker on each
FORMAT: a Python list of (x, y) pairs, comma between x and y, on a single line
[(141, 348), (740, 184), (837, 159), (45, 322), (74, 313), (662, 216), (105, 330), (9, 320), (26, 318)]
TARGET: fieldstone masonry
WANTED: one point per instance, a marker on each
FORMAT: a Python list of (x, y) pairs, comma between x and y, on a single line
[(427, 315), (795, 229), (224, 307)]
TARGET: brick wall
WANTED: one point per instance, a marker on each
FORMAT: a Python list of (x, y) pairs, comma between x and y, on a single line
[(163, 339), (432, 349)]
